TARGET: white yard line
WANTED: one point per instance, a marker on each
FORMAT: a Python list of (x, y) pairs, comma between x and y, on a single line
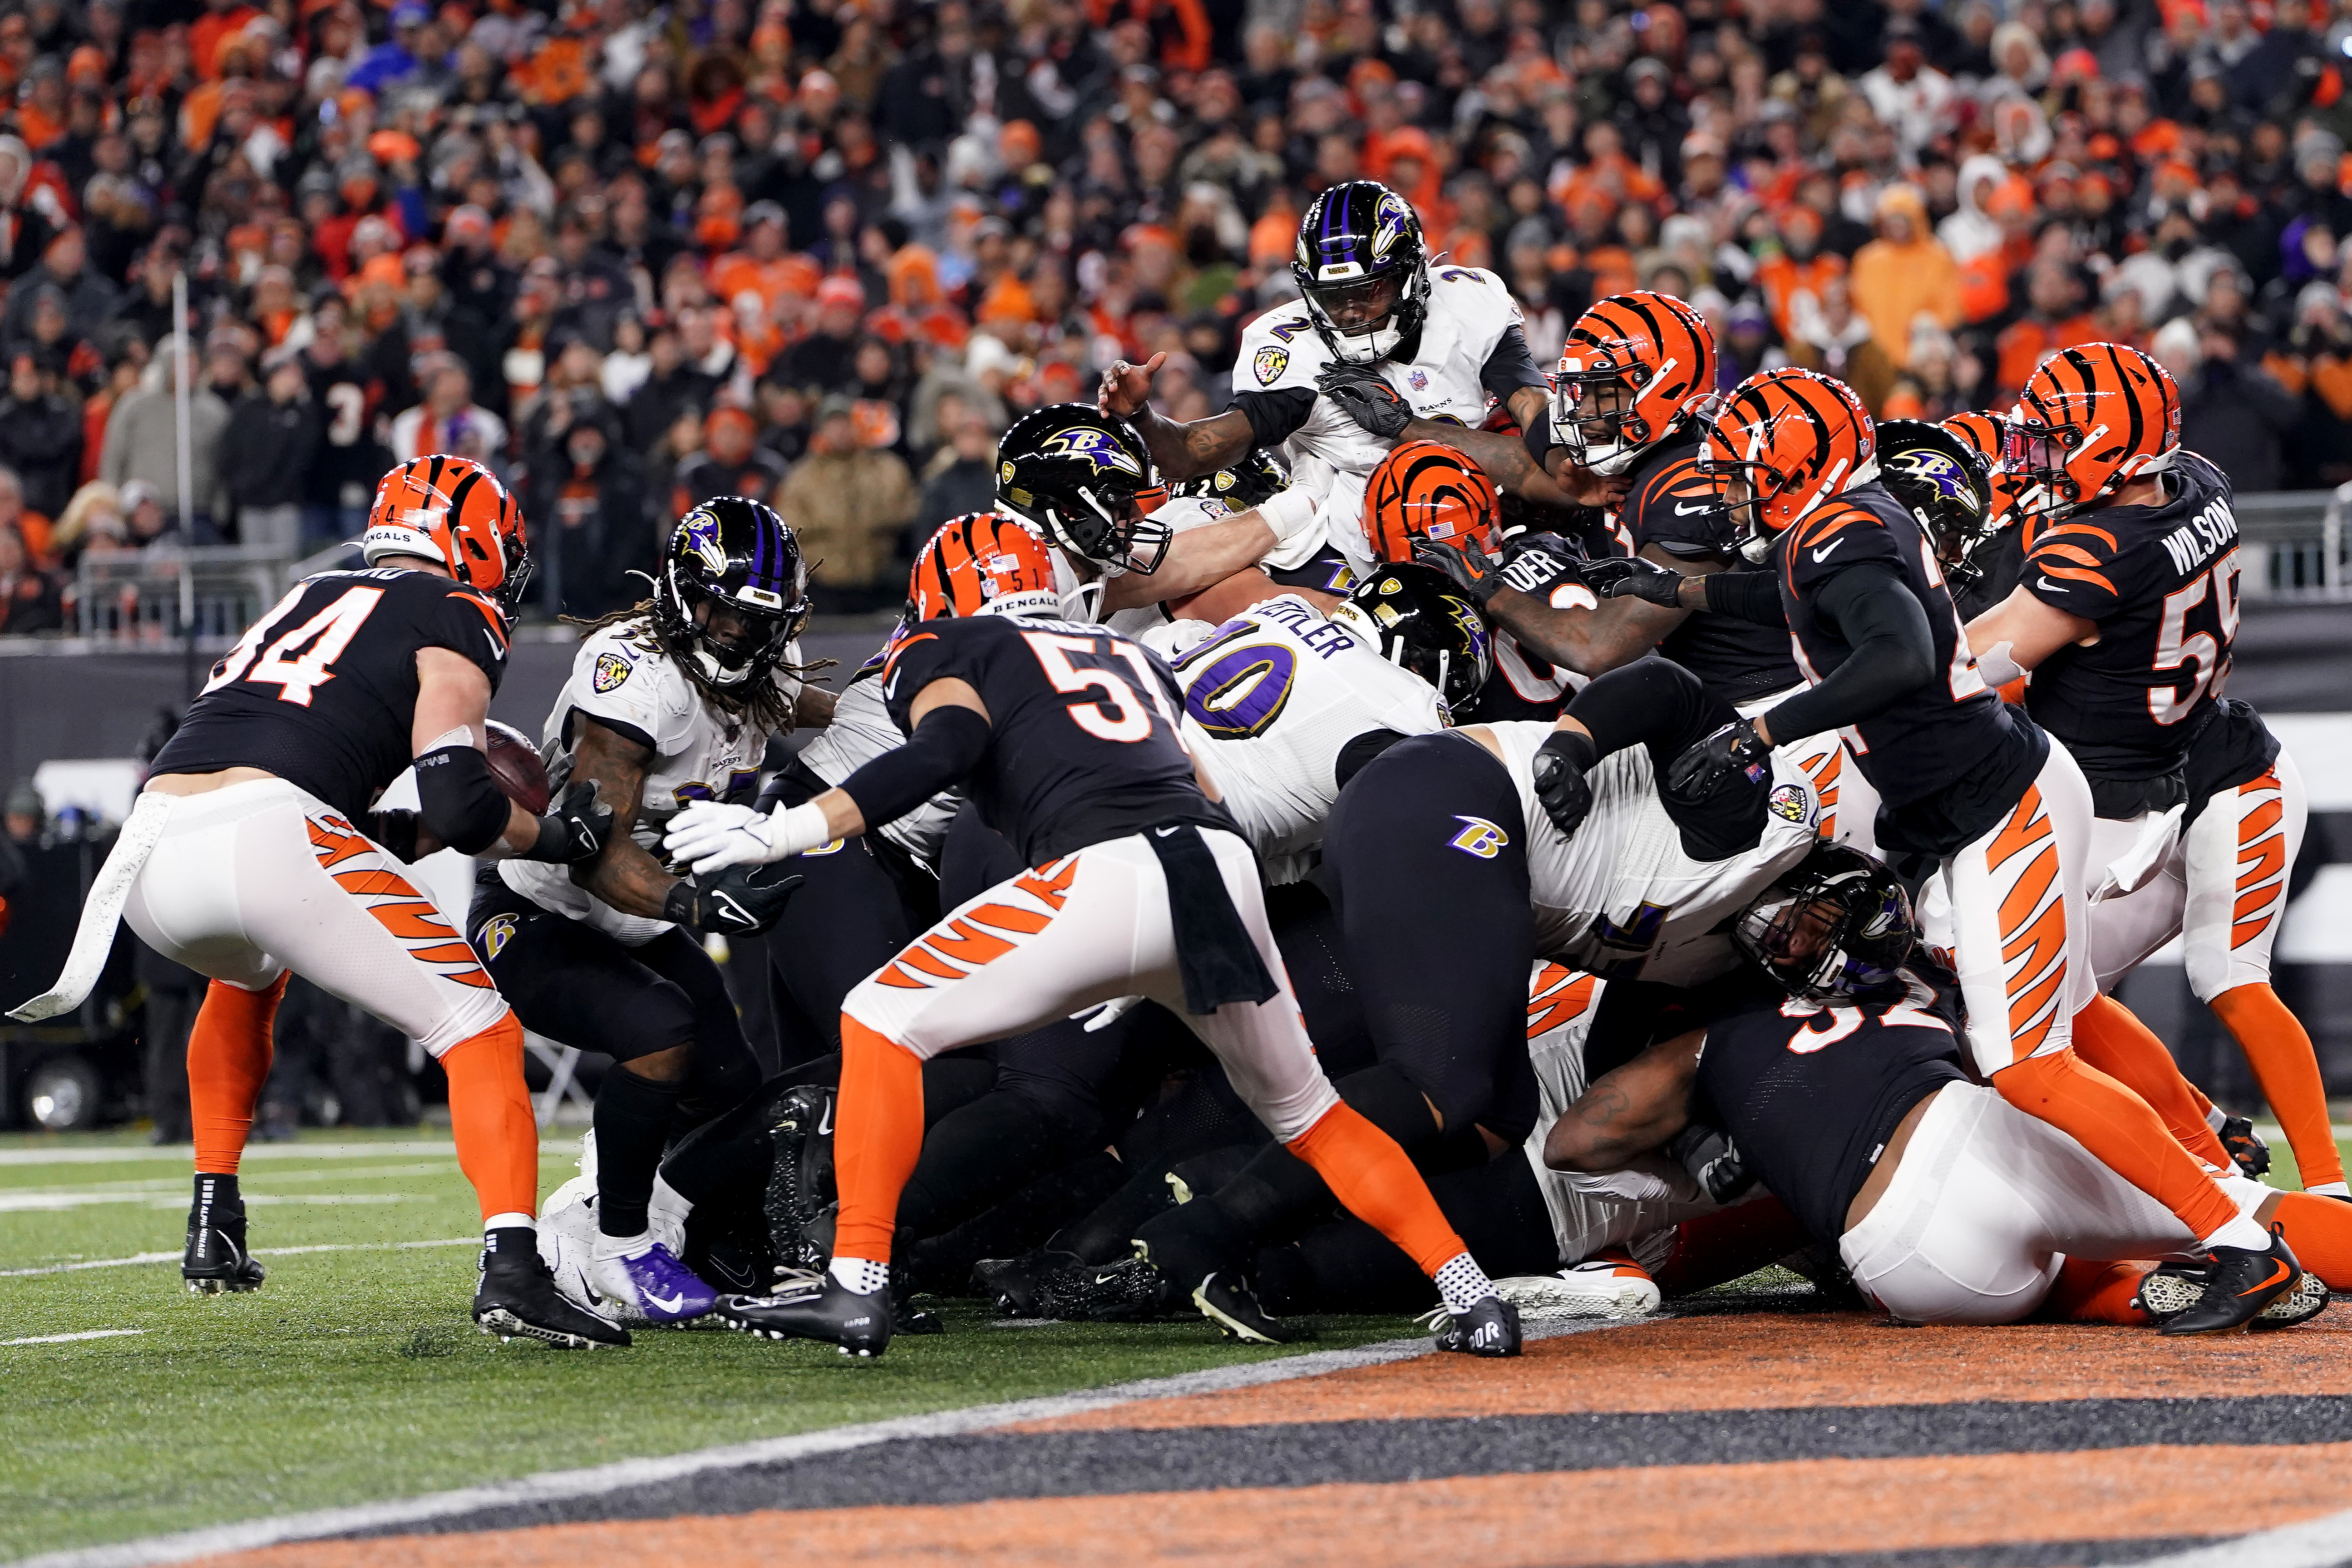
[(70, 1339), (179, 1153), (44, 1203), (177, 1186), (557, 1486), (2321, 1542), (140, 1258)]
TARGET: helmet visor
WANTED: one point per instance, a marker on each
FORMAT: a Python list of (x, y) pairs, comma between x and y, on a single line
[(1360, 305)]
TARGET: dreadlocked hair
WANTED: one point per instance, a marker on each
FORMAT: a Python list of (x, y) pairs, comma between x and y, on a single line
[(756, 701)]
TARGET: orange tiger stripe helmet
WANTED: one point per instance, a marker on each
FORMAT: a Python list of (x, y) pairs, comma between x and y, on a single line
[(1786, 441), (453, 511), (2091, 420), (1422, 489), (982, 564), (1647, 356)]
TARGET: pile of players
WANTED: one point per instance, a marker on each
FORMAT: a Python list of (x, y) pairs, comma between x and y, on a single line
[(1546, 844)]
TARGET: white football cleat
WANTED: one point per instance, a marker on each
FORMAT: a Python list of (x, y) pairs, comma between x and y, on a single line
[(567, 1245), (1606, 1285)]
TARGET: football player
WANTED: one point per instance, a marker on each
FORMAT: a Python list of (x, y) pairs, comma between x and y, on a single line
[(266, 858), (1372, 313), (669, 703), (2002, 810), (1069, 737), (2125, 613), (1982, 556), (1948, 1204)]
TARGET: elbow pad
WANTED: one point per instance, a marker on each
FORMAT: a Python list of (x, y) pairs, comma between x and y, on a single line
[(947, 745), (461, 802)]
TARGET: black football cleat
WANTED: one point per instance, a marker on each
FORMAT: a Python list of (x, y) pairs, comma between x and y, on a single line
[(2239, 1284), (2172, 1288), (1227, 1300), (1130, 1290), (517, 1298), (800, 1176), (1490, 1327), (216, 1260), (1012, 1282), (815, 1308), (906, 1318), (2245, 1146)]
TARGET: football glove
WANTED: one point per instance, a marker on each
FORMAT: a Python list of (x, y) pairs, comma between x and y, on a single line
[(1706, 763), (709, 836), (575, 830), (1470, 569), (1364, 396), (1713, 1161), (734, 902), (1562, 787), (1635, 577), (394, 828)]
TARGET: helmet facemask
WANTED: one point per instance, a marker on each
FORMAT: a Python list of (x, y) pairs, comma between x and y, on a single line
[(1114, 530), (1362, 275), (1594, 417), (1829, 939)]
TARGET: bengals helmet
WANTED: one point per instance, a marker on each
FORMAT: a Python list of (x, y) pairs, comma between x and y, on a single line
[(1087, 480), (1786, 441), (1417, 620), (1944, 482), (2090, 421), (453, 511), (1654, 354), (1425, 490), (982, 564)]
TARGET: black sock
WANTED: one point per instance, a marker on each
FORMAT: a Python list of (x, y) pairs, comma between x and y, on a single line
[(1107, 1234), (977, 1156), (217, 1196), (632, 1122), (1276, 1196), (509, 1249)]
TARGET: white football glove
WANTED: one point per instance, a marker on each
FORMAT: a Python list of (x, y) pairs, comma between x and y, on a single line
[(711, 837)]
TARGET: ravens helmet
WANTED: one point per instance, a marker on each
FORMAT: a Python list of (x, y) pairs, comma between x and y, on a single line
[(1946, 484), (1418, 622), (1363, 272), (734, 553), (1087, 479), (1251, 482), (1837, 928)]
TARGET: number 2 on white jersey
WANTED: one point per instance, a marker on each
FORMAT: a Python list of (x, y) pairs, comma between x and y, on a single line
[(299, 674)]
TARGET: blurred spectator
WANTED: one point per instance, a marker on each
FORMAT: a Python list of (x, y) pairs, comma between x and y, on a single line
[(851, 503), (1904, 274), (2235, 412), (590, 523), (962, 479), (823, 359), (151, 527), (448, 420), (1830, 338), (141, 447), (29, 599), (729, 463), (274, 434), (40, 434), (24, 815)]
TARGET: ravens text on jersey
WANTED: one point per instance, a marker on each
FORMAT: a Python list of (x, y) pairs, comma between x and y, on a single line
[(321, 691)]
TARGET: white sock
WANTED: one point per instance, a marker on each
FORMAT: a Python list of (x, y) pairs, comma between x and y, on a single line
[(866, 1277), (2214, 1117), (622, 1246), (666, 1211), (2330, 1190), (1463, 1283), (2240, 1231), (510, 1222)]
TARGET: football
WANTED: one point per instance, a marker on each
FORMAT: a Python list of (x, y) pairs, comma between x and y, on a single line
[(514, 763)]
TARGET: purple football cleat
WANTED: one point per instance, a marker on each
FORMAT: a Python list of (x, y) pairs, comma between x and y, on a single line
[(652, 1285)]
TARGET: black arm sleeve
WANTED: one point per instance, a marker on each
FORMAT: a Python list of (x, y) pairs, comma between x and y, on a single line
[(1894, 654), (947, 745), (1274, 416), (1747, 597), (1652, 701), (1510, 366), (460, 800)]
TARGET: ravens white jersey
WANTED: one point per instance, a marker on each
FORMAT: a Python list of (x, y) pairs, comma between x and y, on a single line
[(1470, 309), (624, 681), (1270, 698), (861, 730), (1636, 1209), (1620, 899)]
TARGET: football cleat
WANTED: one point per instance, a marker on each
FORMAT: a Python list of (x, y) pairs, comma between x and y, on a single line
[(2245, 1145), (800, 1176), (2240, 1283), (567, 1246), (216, 1259), (1607, 1285), (814, 1307), (1227, 1300), (1130, 1290), (2172, 1288), (517, 1298), (1490, 1327), (652, 1285), (1012, 1282)]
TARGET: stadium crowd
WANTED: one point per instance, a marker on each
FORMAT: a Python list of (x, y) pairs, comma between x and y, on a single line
[(825, 250)]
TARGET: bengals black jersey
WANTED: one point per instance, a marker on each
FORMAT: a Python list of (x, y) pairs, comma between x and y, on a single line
[(1083, 743), (1810, 1095), (322, 690), (1670, 507), (1523, 685), (1948, 728), (2161, 583)]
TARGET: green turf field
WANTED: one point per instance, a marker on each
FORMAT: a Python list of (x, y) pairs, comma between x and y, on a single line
[(355, 1375)]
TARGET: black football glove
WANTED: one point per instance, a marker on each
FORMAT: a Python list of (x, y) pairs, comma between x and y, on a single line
[(1474, 574), (394, 829), (1560, 785), (575, 830), (1706, 763), (1635, 577), (734, 902), (1713, 1161), (1364, 396)]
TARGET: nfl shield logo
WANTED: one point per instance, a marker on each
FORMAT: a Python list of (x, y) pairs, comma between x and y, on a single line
[(1420, 380), (1270, 363)]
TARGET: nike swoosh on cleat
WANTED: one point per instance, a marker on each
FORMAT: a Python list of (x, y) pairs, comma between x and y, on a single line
[(671, 1305), (1104, 1279), (825, 1122), (2282, 1272)]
